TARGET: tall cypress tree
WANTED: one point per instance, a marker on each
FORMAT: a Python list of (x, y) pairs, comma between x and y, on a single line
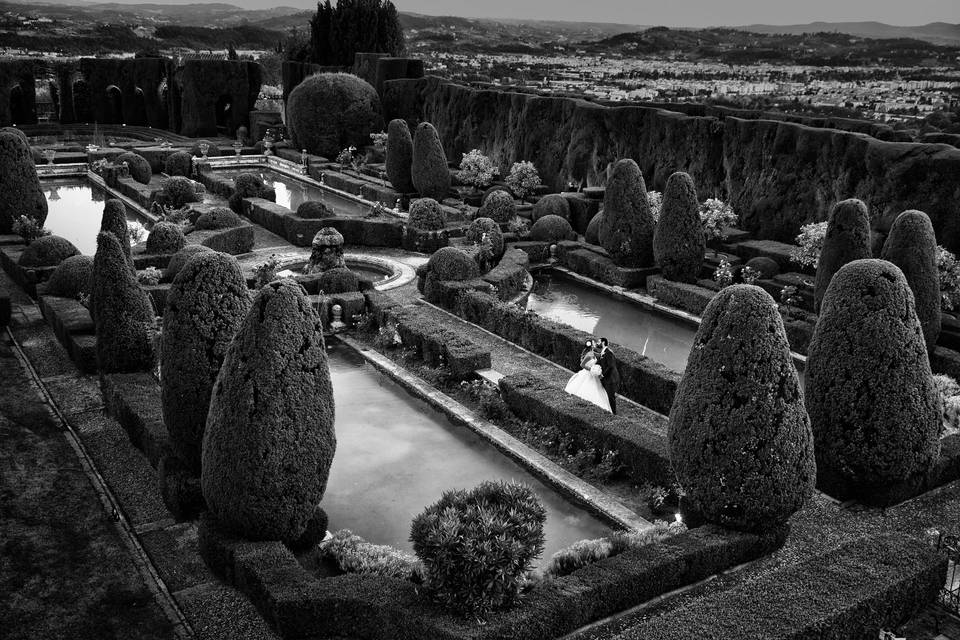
[(338, 32)]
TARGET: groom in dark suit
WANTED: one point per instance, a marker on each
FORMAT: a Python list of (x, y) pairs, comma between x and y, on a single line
[(609, 374)]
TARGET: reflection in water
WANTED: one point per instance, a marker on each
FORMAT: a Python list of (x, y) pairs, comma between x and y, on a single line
[(659, 338), (74, 209), (291, 193), (396, 455)]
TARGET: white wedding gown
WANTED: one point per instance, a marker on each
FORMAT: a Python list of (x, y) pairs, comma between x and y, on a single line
[(587, 385)]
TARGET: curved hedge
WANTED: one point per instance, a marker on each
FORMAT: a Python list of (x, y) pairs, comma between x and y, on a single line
[(847, 239), (204, 309), (912, 246), (71, 277), (868, 337), (121, 311), (740, 439), (266, 462), (552, 228), (19, 184), (481, 226), (592, 234), (218, 218), (499, 206), (400, 156), (47, 251), (339, 280), (179, 260), (178, 163), (165, 237), (138, 166), (429, 170), (114, 220), (678, 241), (551, 205), (315, 210), (179, 191), (426, 214), (328, 112), (626, 227)]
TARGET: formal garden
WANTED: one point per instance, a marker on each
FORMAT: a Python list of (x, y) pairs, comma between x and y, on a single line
[(332, 344)]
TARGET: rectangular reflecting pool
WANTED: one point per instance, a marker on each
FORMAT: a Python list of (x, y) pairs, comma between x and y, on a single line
[(291, 192), (658, 337), (396, 455), (74, 210)]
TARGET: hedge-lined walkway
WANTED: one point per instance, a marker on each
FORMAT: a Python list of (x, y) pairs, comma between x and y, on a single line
[(66, 568)]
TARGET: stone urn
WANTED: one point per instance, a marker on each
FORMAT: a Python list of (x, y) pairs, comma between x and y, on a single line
[(326, 251)]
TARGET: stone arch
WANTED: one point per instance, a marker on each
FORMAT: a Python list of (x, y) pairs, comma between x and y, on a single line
[(82, 108), (113, 105), (138, 108)]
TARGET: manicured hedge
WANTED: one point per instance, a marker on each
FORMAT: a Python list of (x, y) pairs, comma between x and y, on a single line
[(371, 607), (689, 297), (510, 273), (399, 156), (602, 268), (234, 241), (137, 165), (47, 251), (437, 344), (642, 448), (642, 379), (851, 593)]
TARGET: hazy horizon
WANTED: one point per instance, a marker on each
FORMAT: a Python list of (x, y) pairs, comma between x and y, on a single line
[(678, 13)]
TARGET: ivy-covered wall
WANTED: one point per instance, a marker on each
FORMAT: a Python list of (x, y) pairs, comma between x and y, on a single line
[(202, 83), (17, 73)]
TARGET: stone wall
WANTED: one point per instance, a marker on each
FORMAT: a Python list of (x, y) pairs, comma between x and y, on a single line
[(778, 175)]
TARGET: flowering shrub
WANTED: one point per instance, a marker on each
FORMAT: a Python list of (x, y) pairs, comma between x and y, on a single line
[(809, 244), (749, 275), (266, 272), (477, 169), (149, 276), (346, 158), (523, 179), (28, 229), (353, 554), (949, 269), (948, 395), (715, 216), (519, 226), (667, 498), (379, 140), (655, 200), (723, 276), (137, 232)]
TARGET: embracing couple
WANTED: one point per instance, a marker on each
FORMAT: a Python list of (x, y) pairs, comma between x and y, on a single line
[(598, 378)]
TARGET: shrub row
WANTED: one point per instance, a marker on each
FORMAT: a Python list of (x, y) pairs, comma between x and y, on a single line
[(689, 297), (602, 268), (850, 593), (437, 344), (378, 607), (642, 379), (510, 273), (300, 231), (642, 448)]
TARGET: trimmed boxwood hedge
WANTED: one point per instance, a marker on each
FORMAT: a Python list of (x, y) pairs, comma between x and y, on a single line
[(552, 204), (19, 184), (180, 259), (499, 206), (878, 446), (437, 345), (269, 439), (678, 241), (218, 218), (205, 307), (626, 227), (114, 220), (121, 310), (426, 214), (71, 277), (339, 280), (137, 165), (178, 163), (165, 237), (431, 176), (510, 274), (328, 112), (740, 393), (399, 156), (551, 228), (481, 226), (847, 239), (912, 246), (47, 251)]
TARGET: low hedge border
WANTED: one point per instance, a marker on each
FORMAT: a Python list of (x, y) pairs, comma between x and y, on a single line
[(642, 446), (369, 232), (510, 274), (27, 277), (423, 241), (849, 593), (689, 297), (142, 194), (300, 605), (586, 261), (537, 251), (438, 345), (233, 240), (642, 380), (133, 400), (73, 326)]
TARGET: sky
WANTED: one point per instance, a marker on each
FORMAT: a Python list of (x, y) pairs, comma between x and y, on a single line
[(683, 13)]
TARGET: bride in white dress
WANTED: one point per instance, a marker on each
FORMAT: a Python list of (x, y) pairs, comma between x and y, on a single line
[(586, 382)]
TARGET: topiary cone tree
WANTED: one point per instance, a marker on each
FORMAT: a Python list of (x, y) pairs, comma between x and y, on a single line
[(114, 220), (431, 176), (329, 112), (739, 437), (121, 310), (847, 239), (912, 246), (626, 227), (400, 156), (205, 307), (19, 184), (270, 439), (873, 408), (678, 242)]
